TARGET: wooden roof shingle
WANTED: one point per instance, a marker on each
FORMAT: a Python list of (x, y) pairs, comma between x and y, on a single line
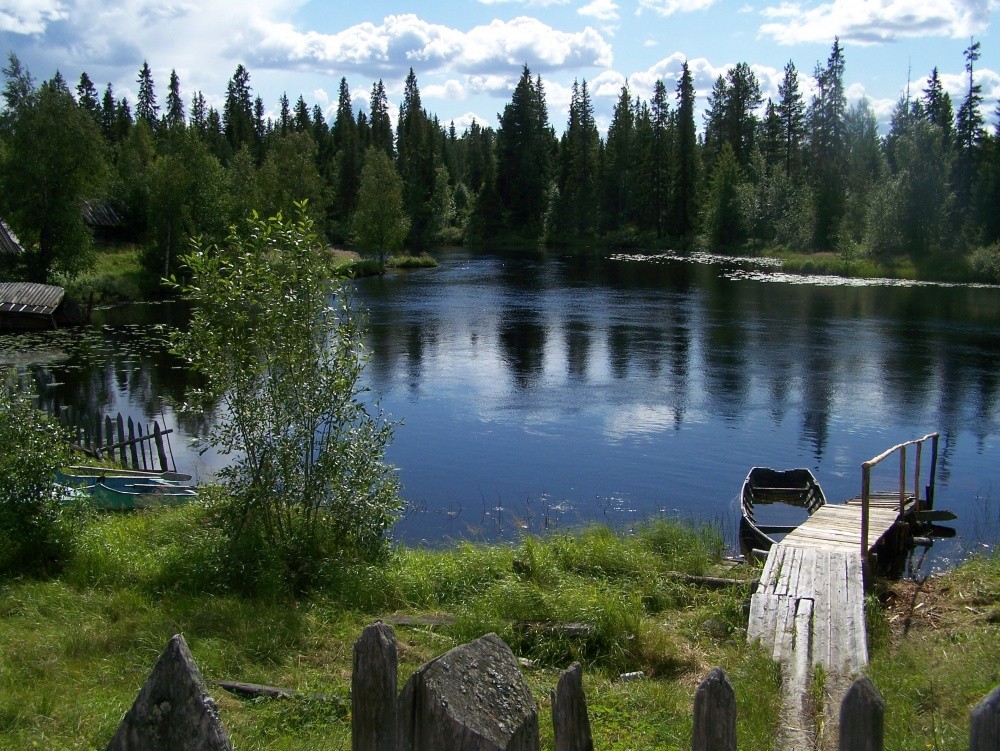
[(9, 244), (30, 298)]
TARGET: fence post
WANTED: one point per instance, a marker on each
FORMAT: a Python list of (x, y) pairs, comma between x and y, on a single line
[(984, 735), (714, 714), (570, 723), (861, 717), (373, 690)]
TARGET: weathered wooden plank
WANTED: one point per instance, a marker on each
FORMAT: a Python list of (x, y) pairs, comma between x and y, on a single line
[(861, 718), (856, 583), (120, 424), (714, 714), (984, 733), (373, 690), (158, 439), (570, 724), (131, 443), (821, 610)]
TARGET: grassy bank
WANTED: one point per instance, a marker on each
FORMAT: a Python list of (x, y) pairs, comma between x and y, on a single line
[(74, 651)]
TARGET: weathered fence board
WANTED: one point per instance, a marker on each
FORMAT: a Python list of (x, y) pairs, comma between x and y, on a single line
[(714, 714), (985, 732), (373, 690), (861, 717), (120, 440), (570, 724)]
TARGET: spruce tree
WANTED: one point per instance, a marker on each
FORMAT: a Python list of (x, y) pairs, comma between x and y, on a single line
[(175, 105), (146, 107), (381, 123), (87, 97), (525, 146), (791, 111), (683, 199)]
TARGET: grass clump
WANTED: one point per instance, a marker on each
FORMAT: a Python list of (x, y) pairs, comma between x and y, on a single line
[(422, 261), (939, 654)]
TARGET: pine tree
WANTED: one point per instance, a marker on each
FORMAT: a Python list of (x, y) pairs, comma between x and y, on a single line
[(659, 157), (683, 200), (968, 131), (575, 212), (381, 123), (525, 146), (417, 161), (146, 107), (740, 116), (175, 105), (937, 105), (198, 113), (348, 152), (237, 112), (791, 110), (284, 114), (87, 97), (108, 113), (826, 122), (618, 177)]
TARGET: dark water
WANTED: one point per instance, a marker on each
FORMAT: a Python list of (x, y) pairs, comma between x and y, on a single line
[(542, 390)]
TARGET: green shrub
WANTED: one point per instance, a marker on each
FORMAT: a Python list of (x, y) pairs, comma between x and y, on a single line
[(281, 352), (986, 262), (36, 531)]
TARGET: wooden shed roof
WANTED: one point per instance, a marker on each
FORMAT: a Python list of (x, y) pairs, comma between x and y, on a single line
[(99, 214), (8, 240), (30, 298)]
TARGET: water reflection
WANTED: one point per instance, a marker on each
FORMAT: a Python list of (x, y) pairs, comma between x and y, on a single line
[(540, 390)]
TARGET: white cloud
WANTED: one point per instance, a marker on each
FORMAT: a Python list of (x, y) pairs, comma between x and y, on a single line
[(29, 16), (875, 21), (405, 40), (464, 122), (669, 7), (450, 89), (602, 10)]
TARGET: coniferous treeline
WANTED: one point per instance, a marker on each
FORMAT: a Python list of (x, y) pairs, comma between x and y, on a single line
[(805, 175)]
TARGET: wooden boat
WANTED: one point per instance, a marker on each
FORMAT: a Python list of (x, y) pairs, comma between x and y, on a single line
[(792, 495), (124, 491)]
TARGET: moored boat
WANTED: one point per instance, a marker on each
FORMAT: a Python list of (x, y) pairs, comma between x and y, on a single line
[(792, 495), (126, 490)]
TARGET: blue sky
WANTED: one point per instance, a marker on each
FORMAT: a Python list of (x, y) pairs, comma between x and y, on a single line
[(467, 56)]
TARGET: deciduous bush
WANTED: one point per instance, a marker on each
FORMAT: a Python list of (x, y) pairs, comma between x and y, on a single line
[(281, 352), (35, 532)]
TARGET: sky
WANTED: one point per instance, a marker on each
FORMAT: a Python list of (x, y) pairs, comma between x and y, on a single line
[(468, 55)]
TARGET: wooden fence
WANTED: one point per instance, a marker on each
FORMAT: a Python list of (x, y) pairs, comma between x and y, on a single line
[(122, 440), (375, 725), (472, 698)]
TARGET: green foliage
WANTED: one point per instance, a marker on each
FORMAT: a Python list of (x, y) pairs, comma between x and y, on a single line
[(36, 532), (280, 348), (725, 226), (380, 224), (55, 160), (986, 262)]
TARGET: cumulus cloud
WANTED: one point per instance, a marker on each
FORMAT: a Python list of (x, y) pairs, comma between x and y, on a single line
[(875, 21), (669, 7), (405, 40), (29, 16), (602, 10)]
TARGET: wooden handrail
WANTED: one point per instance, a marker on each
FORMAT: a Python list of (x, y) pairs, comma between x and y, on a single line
[(866, 468)]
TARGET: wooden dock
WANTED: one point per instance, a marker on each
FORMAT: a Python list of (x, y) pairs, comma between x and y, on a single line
[(809, 608)]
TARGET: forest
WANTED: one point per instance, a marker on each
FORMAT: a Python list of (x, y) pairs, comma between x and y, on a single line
[(795, 176)]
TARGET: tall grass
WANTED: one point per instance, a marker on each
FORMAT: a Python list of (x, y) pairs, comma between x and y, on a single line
[(74, 651)]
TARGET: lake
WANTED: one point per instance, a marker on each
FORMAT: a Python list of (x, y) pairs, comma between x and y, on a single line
[(539, 390)]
